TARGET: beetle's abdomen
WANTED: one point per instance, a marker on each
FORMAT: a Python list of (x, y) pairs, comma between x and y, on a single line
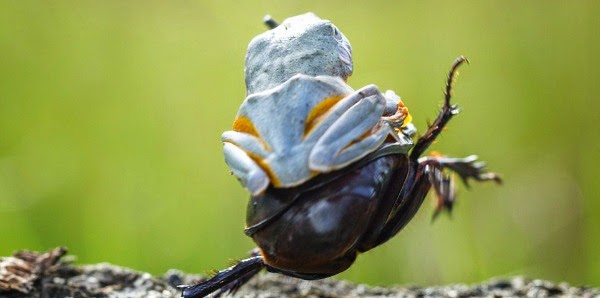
[(319, 232)]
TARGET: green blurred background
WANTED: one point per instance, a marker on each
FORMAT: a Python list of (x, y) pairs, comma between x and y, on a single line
[(111, 115)]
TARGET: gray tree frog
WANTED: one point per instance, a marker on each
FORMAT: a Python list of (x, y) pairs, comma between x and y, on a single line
[(300, 118)]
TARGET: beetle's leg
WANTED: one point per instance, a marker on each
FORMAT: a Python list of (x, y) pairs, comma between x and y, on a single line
[(228, 280), (407, 202), (428, 172), (358, 131), (443, 117), (442, 182)]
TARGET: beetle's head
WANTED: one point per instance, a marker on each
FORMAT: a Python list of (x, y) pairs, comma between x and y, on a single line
[(302, 44)]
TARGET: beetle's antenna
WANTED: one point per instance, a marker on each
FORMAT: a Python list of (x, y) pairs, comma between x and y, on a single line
[(448, 110), (268, 20)]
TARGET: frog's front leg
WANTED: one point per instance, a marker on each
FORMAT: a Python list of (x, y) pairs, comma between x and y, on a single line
[(238, 148), (354, 128)]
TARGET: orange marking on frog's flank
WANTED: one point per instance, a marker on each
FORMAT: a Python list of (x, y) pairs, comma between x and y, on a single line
[(243, 124), (317, 113), (267, 168)]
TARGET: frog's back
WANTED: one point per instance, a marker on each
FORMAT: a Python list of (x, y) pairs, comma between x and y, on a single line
[(284, 118), (284, 115)]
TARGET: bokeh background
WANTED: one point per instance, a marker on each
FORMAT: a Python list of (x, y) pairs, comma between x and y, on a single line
[(111, 115)]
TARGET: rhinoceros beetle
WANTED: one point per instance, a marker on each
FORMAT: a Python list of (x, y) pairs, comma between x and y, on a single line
[(332, 172)]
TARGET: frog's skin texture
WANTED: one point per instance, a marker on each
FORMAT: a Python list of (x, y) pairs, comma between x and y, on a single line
[(300, 117), (302, 44), (306, 126)]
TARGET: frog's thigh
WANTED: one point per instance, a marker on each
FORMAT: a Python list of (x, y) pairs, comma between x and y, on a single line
[(342, 107), (360, 149), (247, 142), (348, 138), (245, 169)]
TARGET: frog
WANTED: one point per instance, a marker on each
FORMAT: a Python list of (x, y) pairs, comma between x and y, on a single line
[(300, 117)]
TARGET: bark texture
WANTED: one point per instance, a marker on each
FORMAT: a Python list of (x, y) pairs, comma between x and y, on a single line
[(48, 274)]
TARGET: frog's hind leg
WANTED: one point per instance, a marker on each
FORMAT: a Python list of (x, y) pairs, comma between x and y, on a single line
[(250, 174), (351, 130)]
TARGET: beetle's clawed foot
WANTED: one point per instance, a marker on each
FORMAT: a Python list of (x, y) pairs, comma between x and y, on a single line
[(467, 168), (448, 111), (452, 108), (442, 181)]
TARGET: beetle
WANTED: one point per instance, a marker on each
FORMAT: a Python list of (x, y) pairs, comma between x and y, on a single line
[(332, 172)]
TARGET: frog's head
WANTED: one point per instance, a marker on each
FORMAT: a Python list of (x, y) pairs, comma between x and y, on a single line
[(302, 44)]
